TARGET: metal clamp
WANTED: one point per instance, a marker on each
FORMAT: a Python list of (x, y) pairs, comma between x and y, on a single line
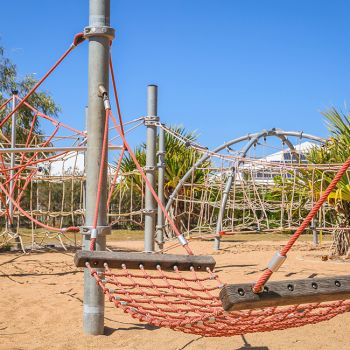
[(182, 239), (104, 94), (149, 169), (103, 31), (99, 231), (151, 120), (149, 211), (276, 262)]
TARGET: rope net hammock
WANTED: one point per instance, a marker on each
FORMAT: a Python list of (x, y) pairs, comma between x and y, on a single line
[(189, 302)]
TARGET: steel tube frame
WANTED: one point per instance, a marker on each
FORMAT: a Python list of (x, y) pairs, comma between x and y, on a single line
[(227, 190), (150, 204), (281, 134), (99, 46), (161, 173)]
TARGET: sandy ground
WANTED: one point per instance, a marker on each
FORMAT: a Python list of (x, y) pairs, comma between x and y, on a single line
[(41, 304)]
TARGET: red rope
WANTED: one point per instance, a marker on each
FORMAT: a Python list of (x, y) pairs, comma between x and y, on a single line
[(115, 177), (116, 94), (114, 181), (100, 178), (75, 42), (267, 274), (148, 184), (5, 103)]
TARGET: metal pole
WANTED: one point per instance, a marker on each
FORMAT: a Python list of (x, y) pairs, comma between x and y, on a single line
[(150, 206), (226, 192), (161, 172), (314, 232), (12, 160), (99, 34)]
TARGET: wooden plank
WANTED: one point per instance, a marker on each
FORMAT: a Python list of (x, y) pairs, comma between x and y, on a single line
[(149, 261), (311, 290)]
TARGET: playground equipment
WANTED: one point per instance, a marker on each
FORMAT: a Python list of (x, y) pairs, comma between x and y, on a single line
[(52, 189), (190, 297)]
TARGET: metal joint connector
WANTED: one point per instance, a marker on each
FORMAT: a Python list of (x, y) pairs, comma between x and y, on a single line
[(104, 94), (151, 121), (149, 211), (276, 262), (104, 31), (182, 239), (94, 232), (149, 169)]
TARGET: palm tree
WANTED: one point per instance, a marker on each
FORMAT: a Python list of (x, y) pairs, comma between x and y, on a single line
[(335, 151), (179, 158)]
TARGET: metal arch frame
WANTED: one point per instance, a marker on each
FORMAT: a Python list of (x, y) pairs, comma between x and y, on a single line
[(252, 138)]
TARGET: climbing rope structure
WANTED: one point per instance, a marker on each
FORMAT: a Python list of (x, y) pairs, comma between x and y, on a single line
[(197, 302), (181, 292), (245, 185)]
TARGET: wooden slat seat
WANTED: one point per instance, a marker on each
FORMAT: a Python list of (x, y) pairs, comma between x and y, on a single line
[(311, 290), (149, 261)]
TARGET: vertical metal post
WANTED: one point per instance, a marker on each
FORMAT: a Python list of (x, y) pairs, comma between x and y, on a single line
[(12, 159), (99, 34), (161, 172), (150, 206), (10, 224), (314, 232)]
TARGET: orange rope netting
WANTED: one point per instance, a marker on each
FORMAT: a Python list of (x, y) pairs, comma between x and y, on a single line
[(189, 302)]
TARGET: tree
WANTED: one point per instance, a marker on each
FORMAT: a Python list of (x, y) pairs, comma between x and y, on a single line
[(40, 100), (335, 151)]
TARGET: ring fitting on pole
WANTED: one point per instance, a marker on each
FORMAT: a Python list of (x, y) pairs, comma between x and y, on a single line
[(182, 239), (100, 230), (104, 31), (151, 120)]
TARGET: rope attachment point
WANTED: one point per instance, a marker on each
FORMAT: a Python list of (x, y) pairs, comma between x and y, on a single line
[(104, 94), (94, 232), (103, 31), (276, 262), (182, 240), (151, 120), (78, 39)]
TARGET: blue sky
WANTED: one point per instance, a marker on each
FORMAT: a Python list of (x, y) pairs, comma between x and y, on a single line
[(224, 68)]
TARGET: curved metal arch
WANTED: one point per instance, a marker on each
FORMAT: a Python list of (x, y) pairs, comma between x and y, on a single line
[(253, 138)]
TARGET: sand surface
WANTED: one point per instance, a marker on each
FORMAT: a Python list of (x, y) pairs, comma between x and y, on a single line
[(41, 303)]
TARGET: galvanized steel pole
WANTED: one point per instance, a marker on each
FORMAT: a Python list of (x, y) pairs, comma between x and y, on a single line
[(99, 33), (10, 225), (314, 232), (161, 173), (150, 205)]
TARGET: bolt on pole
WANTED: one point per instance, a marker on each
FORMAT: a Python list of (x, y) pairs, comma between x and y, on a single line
[(161, 173), (99, 33), (150, 205)]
